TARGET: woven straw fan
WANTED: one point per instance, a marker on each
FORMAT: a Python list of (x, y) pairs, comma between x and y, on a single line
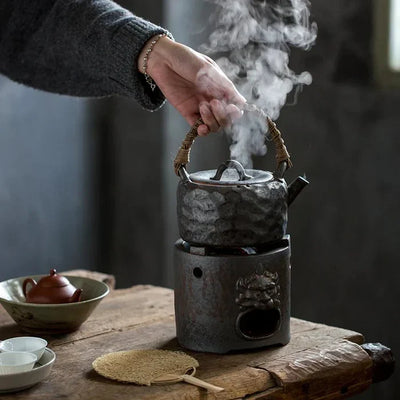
[(147, 367)]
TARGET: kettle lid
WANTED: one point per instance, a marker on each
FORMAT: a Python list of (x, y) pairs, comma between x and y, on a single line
[(231, 173)]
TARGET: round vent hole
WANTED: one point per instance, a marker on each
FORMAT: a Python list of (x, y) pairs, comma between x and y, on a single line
[(197, 272)]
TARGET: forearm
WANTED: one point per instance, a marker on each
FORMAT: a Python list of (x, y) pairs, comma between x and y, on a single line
[(75, 47)]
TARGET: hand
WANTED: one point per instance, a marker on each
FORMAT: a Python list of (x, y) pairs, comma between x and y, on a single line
[(194, 84)]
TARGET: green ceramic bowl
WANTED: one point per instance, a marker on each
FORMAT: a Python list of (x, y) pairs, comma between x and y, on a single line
[(51, 318)]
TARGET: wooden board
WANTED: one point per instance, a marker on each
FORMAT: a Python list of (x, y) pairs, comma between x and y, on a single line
[(320, 362)]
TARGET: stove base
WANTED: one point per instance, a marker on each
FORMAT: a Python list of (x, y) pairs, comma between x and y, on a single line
[(226, 302)]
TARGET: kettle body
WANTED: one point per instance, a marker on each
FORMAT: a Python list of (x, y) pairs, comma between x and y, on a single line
[(226, 213)]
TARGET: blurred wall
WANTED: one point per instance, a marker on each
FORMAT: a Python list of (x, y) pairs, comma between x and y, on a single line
[(131, 242), (48, 207)]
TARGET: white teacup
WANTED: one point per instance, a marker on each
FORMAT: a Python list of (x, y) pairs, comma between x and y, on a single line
[(16, 361), (29, 344)]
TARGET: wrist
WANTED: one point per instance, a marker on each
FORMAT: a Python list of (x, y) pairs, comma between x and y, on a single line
[(153, 51)]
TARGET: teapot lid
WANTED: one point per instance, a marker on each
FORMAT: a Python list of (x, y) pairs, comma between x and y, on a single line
[(53, 280), (231, 173)]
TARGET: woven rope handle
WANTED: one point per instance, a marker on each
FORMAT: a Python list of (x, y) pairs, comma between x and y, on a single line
[(282, 154), (183, 156)]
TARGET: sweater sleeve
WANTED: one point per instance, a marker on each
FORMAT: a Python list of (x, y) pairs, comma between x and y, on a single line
[(85, 48)]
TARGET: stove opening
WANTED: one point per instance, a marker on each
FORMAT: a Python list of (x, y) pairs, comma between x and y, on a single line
[(258, 324)]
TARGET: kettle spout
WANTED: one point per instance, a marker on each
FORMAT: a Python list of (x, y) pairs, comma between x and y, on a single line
[(296, 187), (76, 296)]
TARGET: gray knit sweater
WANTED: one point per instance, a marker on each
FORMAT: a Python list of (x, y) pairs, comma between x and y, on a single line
[(76, 47)]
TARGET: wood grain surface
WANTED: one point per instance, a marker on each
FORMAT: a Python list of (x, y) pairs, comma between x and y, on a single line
[(320, 362)]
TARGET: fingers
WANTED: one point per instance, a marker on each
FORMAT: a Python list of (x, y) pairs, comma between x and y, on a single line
[(238, 99), (234, 112), (217, 115), (208, 117), (232, 95), (203, 130), (220, 113), (225, 114)]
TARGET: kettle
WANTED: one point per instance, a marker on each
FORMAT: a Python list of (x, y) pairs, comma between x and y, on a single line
[(51, 289), (233, 206)]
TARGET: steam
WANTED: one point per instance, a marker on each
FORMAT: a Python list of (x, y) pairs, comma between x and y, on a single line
[(251, 43)]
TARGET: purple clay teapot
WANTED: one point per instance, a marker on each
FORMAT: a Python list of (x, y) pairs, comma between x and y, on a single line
[(51, 289)]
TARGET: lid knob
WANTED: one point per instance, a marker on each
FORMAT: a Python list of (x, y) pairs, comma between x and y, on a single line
[(231, 164)]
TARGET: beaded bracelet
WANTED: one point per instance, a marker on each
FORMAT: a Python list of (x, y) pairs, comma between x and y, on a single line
[(147, 77)]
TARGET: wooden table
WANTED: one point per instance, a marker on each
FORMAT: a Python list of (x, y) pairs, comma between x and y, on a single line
[(320, 362)]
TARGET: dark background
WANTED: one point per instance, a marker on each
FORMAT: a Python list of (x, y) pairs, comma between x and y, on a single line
[(89, 183)]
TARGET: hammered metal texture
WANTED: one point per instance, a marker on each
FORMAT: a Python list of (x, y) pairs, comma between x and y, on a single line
[(232, 216)]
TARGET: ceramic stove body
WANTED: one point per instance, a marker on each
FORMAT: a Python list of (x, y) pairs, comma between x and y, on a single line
[(232, 299)]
